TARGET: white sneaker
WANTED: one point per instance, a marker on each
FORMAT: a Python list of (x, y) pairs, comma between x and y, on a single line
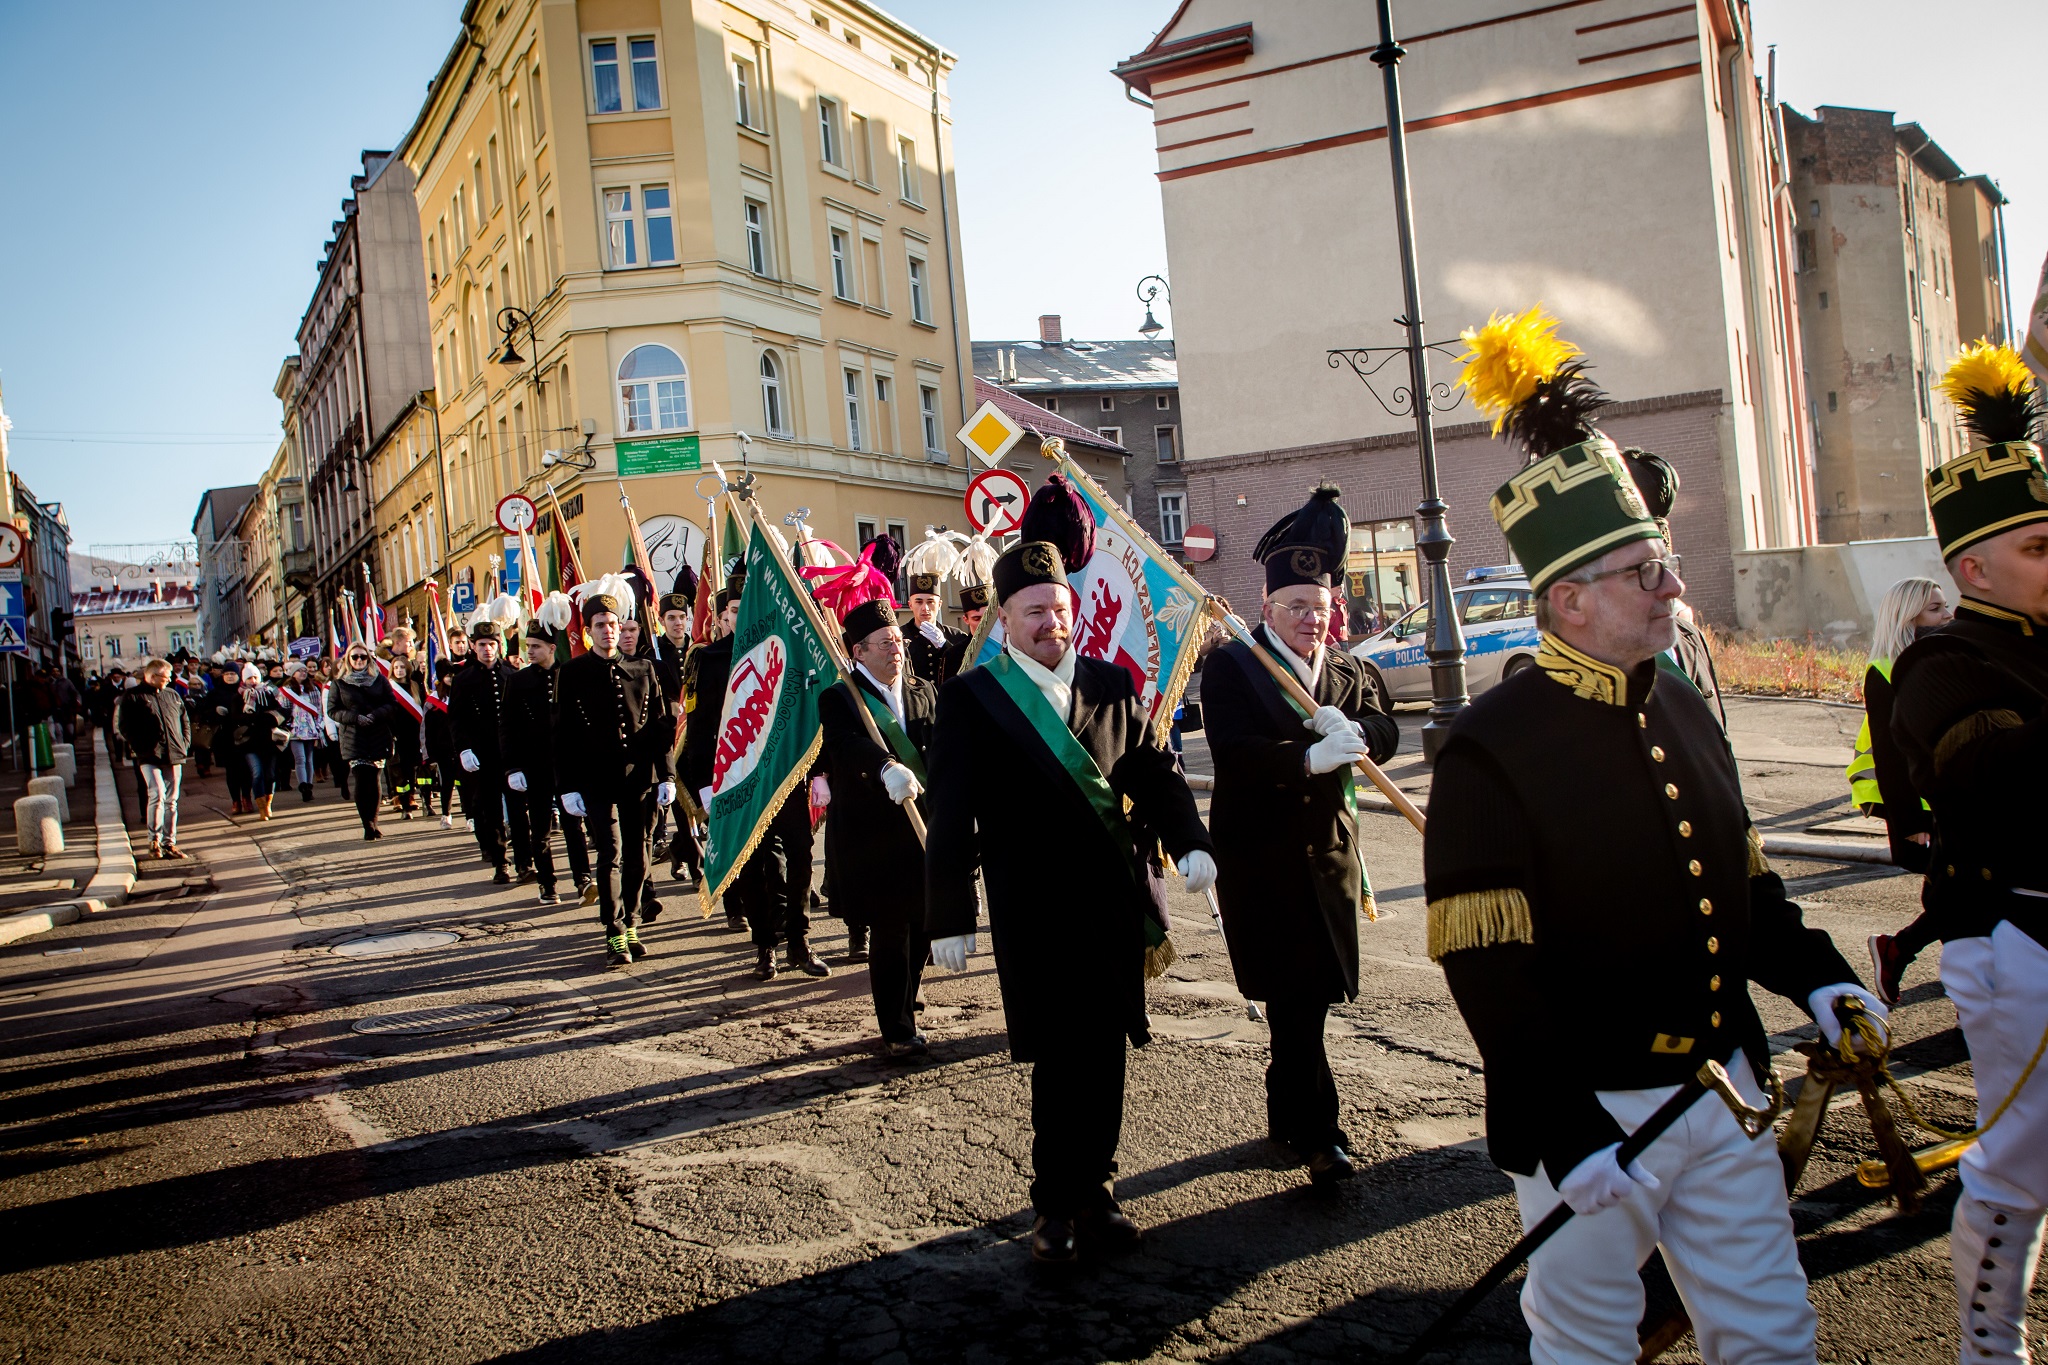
[(447, 822), (471, 823)]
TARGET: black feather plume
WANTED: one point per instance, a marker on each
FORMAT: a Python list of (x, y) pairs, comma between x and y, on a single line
[(1559, 413), (2003, 415)]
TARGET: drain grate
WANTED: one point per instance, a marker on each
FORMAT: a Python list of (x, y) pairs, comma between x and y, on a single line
[(383, 945), (444, 1020)]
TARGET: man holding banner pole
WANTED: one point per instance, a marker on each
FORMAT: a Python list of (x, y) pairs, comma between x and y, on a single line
[(1033, 756)]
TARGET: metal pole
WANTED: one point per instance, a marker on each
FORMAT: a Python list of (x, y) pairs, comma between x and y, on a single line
[(1446, 647)]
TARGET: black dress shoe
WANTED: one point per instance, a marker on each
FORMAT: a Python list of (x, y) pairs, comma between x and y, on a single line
[(501, 877), (1052, 1242), (1330, 1165), (1108, 1230), (810, 964), (764, 964)]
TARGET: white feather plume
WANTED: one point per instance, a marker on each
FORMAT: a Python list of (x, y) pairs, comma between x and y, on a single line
[(615, 585), (504, 608), (938, 553), (977, 561), (556, 611)]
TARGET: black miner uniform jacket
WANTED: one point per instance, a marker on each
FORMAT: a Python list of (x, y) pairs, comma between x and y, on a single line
[(526, 730), (613, 728), (935, 663), (877, 862), (1971, 716), (1288, 875), (476, 708), (1065, 910), (669, 660), (1599, 900), (710, 668)]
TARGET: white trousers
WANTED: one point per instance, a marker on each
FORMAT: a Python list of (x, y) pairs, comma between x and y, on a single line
[(1720, 1214), (1999, 985)]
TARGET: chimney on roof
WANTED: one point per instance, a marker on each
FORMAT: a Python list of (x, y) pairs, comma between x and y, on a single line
[(1049, 329)]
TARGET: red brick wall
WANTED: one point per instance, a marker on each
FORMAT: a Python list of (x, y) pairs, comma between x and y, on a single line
[(1381, 481)]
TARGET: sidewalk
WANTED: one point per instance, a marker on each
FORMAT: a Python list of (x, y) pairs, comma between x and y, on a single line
[(40, 891)]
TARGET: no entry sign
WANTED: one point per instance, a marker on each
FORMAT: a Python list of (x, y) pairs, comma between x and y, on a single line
[(1198, 542), (996, 499)]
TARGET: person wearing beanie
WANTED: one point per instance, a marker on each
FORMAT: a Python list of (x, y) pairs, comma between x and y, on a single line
[(613, 736), (1970, 705), (1600, 903), (476, 710), (1035, 757), (877, 862), (935, 649), (1689, 657), (1284, 781)]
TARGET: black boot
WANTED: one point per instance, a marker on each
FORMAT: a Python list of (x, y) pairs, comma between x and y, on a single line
[(856, 943), (764, 964), (802, 959), (305, 791)]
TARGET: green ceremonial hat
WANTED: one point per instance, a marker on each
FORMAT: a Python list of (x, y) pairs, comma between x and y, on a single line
[(1569, 508), (1989, 490)]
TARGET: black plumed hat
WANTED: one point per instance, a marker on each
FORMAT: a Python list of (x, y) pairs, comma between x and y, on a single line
[(685, 584), (1307, 545), (867, 618), (1655, 479), (1059, 515)]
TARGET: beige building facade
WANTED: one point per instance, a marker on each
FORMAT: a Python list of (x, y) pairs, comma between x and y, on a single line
[(726, 230), (1622, 168)]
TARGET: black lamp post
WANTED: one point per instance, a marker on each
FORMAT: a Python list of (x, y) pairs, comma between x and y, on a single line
[(1150, 288), (510, 320)]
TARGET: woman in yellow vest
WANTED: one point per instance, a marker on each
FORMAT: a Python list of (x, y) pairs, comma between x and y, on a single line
[(1877, 775)]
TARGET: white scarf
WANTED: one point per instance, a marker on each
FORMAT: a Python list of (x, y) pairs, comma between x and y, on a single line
[(891, 692), (1308, 670), (1056, 683)]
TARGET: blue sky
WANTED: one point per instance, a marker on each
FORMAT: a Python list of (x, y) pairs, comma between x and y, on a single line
[(165, 190)]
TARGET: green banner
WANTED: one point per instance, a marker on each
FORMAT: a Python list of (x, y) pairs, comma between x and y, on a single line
[(660, 455), (768, 733)]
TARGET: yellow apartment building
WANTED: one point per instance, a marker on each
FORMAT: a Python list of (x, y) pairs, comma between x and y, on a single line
[(716, 230), (410, 544)]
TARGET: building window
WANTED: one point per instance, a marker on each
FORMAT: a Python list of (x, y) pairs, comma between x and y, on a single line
[(540, 123), (863, 531), (654, 391), (881, 388), (771, 396), (1172, 521), (920, 292), (621, 246), (626, 227), (828, 132), (182, 637), (863, 150), (497, 182), (1049, 404), (646, 74), (604, 77), (906, 170), (1164, 442), (113, 646), (1831, 400), (1106, 403), (85, 645), (928, 410), (852, 409), (842, 267), (1161, 402), (1114, 435), (757, 236), (661, 228), (743, 91)]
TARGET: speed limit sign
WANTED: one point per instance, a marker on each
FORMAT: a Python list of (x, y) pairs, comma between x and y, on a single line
[(516, 513)]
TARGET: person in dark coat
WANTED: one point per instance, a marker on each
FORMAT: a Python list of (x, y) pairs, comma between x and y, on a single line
[(613, 736), (439, 734), (877, 862), (1284, 783), (670, 656), (526, 740), (156, 725), (1690, 656), (361, 705), (259, 726), (476, 704), (707, 669), (1070, 877), (935, 650)]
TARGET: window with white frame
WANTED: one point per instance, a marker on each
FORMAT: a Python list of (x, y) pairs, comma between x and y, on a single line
[(646, 73), (85, 643), (842, 266), (1172, 517), (661, 225), (1106, 403), (613, 91), (743, 92), (605, 94), (621, 232), (829, 140), (853, 441), (1111, 434), (757, 236), (654, 391), (1165, 441), (1161, 402), (637, 215), (906, 171), (863, 148), (113, 646), (928, 412), (141, 646), (920, 291), (533, 105), (773, 413)]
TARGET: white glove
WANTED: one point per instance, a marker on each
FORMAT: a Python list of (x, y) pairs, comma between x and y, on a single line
[(516, 781), (1822, 1003), (572, 803), (333, 730), (821, 793), (1199, 869), (469, 763), (704, 800), (1328, 720), (902, 785), (664, 793), (1332, 752), (951, 953), (1598, 1182)]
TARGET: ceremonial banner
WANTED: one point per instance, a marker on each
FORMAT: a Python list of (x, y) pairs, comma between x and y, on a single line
[(2034, 348), (768, 732), (1134, 605)]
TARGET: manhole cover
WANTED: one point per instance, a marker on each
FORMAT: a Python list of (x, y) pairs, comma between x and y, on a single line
[(385, 944), (445, 1020)]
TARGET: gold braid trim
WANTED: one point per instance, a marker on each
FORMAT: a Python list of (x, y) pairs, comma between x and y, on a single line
[(707, 894), (1159, 957), (1970, 729), (1479, 919), (1370, 907), (1759, 865), (1585, 675)]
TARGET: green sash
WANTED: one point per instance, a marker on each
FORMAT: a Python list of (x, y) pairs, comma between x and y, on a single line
[(1077, 761), (885, 721), (1668, 665), (1350, 790)]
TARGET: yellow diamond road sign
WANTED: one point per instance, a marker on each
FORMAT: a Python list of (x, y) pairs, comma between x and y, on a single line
[(990, 433)]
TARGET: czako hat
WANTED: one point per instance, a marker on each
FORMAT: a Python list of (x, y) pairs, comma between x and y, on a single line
[(2001, 484)]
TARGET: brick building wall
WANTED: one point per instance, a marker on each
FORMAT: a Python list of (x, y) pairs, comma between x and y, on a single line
[(1381, 481)]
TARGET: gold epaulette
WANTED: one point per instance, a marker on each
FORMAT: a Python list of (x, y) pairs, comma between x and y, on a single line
[(1478, 919), (1758, 864)]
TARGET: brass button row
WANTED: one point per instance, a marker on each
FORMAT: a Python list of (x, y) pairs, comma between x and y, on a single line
[(1706, 906), (1685, 829), (1671, 790), (1657, 752), (1694, 867)]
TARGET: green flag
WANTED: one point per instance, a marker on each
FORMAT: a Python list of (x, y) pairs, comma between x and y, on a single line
[(768, 733)]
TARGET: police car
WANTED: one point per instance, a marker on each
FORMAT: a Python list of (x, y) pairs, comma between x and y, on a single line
[(1498, 613)]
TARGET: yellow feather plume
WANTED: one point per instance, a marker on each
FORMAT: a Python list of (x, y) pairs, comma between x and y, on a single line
[(1986, 368), (1507, 358)]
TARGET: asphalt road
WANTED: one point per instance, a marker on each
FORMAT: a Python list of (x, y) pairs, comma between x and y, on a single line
[(206, 1159)]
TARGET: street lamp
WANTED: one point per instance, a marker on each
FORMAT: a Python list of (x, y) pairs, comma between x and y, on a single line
[(1150, 288), (510, 320)]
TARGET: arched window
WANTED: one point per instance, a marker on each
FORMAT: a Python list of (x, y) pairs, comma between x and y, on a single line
[(654, 391), (772, 411)]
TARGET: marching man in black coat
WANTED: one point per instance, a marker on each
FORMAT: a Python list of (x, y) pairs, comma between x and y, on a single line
[(613, 734), (671, 658), (878, 864), (1038, 751), (935, 649), (1283, 783), (476, 705), (1600, 903), (526, 741)]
